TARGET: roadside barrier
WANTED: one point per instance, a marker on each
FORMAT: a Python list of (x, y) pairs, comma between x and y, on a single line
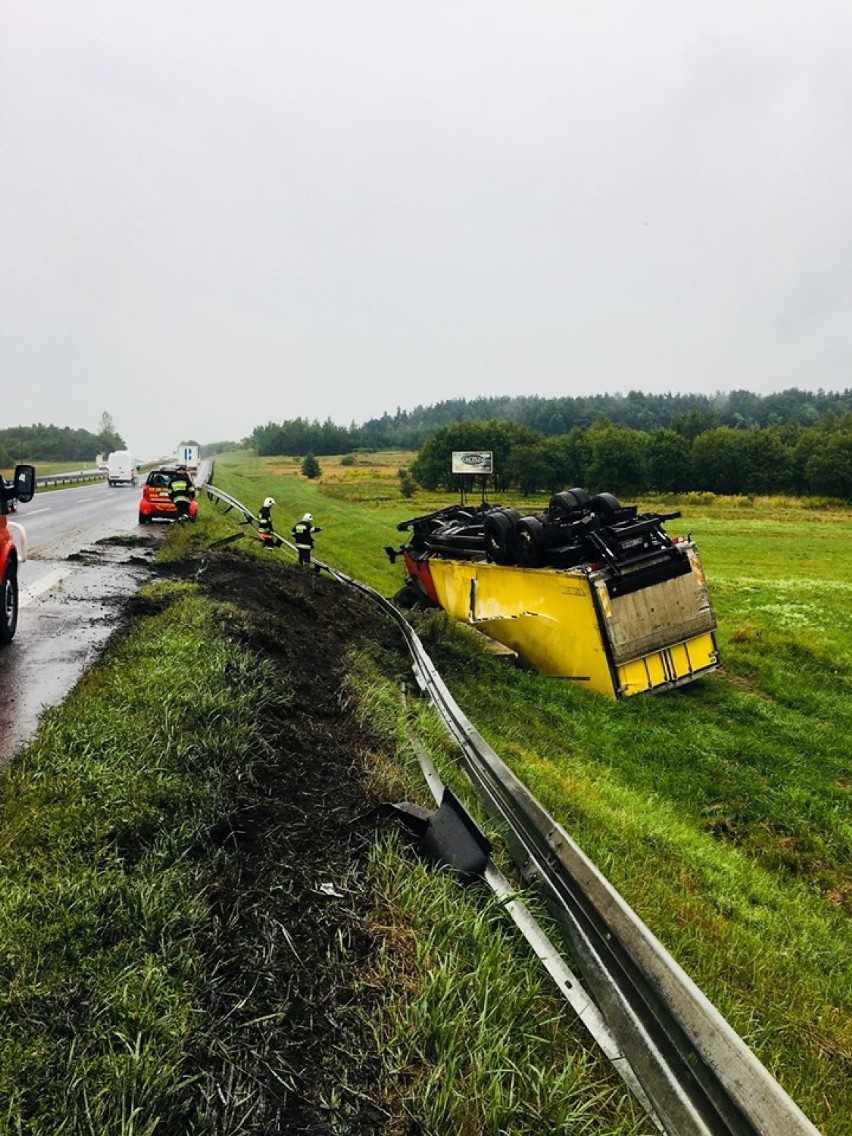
[(670, 1045), (71, 477)]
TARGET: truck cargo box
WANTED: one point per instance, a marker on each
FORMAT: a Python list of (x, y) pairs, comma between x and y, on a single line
[(586, 591)]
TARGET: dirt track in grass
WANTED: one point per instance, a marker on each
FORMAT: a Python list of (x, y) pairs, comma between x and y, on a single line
[(288, 931)]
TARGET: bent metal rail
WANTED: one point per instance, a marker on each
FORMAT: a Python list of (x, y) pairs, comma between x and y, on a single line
[(699, 1075)]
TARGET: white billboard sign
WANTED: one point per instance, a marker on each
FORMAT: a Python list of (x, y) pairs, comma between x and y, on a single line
[(473, 461)]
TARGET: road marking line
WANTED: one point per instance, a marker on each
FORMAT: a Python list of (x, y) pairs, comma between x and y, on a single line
[(35, 590), (32, 512)]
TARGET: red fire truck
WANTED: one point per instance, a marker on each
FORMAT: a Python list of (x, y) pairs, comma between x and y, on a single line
[(12, 546)]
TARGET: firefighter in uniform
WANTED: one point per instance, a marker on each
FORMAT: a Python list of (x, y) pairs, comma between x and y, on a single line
[(264, 524), (181, 492), (303, 537)]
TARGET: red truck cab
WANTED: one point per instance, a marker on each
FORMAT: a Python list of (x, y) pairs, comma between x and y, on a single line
[(20, 488)]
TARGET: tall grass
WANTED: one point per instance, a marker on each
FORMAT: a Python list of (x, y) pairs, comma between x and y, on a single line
[(103, 897), (475, 1038), (721, 810), (145, 984), (474, 1042)]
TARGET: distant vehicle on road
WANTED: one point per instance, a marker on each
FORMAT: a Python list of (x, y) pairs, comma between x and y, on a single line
[(188, 456), (20, 488), (156, 503), (121, 468)]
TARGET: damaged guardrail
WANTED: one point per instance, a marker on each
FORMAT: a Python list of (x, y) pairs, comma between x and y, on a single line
[(231, 503), (698, 1075)]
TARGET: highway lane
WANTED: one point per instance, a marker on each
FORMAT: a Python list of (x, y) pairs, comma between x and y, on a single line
[(82, 562), (57, 521)]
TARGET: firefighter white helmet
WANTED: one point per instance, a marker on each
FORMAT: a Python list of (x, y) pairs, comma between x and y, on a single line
[(308, 517), (269, 502)]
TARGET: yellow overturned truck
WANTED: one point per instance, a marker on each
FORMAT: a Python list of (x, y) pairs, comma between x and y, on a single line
[(587, 590)]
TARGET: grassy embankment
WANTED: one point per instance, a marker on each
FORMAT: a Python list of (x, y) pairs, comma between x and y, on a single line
[(129, 996), (48, 468), (720, 811)]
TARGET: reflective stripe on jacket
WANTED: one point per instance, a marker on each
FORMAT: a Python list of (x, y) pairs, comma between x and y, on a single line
[(302, 531), (179, 490)]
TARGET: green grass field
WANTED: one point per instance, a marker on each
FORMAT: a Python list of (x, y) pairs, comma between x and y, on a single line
[(151, 971), (720, 811)]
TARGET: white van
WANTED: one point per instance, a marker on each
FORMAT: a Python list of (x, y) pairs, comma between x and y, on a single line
[(121, 468)]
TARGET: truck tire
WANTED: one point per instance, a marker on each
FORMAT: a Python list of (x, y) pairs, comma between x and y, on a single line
[(568, 501), (529, 541), (605, 505), (499, 531), (8, 603)]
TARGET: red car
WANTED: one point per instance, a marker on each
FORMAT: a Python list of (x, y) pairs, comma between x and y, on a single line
[(156, 503)]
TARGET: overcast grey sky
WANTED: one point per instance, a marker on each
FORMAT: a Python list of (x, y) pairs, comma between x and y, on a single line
[(216, 213)]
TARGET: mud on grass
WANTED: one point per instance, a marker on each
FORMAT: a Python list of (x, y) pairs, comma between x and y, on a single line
[(184, 900), (290, 862)]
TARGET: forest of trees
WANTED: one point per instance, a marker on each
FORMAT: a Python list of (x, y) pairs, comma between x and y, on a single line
[(687, 414), (735, 443), (299, 437), (58, 443), (804, 460)]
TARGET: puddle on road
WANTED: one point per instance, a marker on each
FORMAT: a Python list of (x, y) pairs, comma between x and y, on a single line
[(63, 630)]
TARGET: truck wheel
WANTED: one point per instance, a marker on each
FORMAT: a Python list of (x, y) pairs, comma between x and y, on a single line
[(568, 501), (530, 542), (499, 532), (605, 505), (8, 603)]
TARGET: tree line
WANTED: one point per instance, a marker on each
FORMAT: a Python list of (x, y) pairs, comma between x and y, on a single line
[(57, 443), (689, 414), (804, 460), (734, 443), (299, 437), (686, 414)]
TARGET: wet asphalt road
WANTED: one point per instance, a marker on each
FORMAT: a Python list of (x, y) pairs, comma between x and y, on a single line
[(71, 587)]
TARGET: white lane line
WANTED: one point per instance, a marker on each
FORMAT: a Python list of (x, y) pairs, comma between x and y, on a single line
[(35, 590), (32, 512)]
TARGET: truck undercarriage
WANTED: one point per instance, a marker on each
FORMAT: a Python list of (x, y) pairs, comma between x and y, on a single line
[(587, 589)]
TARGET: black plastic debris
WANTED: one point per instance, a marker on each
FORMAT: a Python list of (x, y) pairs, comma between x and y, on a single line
[(446, 836), (452, 838)]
